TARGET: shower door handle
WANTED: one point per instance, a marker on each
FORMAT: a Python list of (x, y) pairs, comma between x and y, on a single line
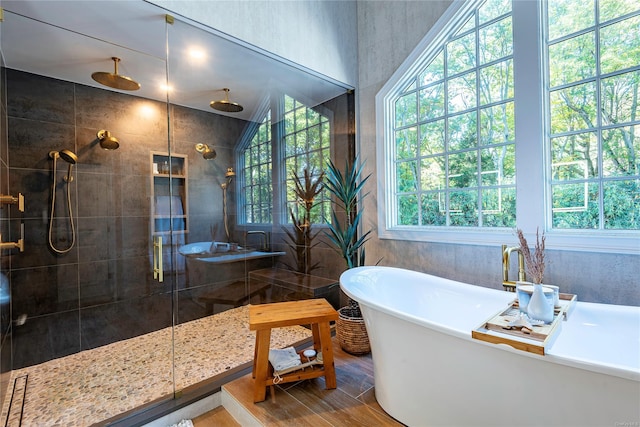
[(157, 258)]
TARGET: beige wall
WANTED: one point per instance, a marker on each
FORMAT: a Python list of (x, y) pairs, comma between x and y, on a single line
[(320, 35)]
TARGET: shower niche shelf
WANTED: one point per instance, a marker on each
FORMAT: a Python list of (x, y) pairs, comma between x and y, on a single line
[(169, 193)]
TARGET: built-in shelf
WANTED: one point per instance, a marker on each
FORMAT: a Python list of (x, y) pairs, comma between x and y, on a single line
[(169, 193)]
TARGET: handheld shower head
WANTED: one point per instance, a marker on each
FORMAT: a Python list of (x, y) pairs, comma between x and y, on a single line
[(229, 174), (66, 155)]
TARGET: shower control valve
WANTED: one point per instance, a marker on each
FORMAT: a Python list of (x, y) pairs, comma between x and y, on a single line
[(13, 200), (12, 245)]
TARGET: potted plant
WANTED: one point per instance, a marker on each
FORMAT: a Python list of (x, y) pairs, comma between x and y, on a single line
[(534, 263), (301, 238), (345, 188)]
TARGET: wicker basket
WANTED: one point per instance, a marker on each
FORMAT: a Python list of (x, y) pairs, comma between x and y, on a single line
[(352, 333)]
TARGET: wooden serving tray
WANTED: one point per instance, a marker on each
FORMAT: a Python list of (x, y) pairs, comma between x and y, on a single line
[(496, 331)]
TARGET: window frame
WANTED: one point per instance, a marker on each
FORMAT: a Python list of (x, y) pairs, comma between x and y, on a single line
[(239, 154), (532, 156), (285, 174), (279, 175)]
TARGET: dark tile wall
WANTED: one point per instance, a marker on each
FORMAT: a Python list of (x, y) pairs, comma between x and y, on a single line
[(102, 290)]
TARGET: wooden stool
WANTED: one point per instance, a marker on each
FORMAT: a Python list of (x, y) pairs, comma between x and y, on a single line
[(315, 312)]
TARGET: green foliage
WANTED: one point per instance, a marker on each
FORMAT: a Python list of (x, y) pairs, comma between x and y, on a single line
[(346, 188), (301, 238), (460, 170)]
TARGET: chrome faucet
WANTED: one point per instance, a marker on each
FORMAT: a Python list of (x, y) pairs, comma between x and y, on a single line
[(265, 239), (506, 256)]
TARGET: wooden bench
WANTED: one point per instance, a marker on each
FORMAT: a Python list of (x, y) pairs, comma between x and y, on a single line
[(263, 317)]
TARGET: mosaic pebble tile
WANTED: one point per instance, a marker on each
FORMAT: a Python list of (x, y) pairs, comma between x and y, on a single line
[(94, 385)]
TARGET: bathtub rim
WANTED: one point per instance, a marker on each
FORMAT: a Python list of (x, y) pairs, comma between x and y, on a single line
[(550, 357)]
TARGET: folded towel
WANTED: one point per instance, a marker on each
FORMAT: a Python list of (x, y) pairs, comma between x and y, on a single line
[(163, 202), (283, 359)]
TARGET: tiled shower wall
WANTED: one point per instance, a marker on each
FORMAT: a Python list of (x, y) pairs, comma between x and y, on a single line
[(102, 290)]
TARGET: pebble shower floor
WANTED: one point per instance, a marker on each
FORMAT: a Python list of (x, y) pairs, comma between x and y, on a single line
[(95, 385)]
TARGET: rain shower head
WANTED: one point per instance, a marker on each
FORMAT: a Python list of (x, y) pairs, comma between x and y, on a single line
[(208, 153), (66, 155), (115, 80), (226, 105), (107, 141)]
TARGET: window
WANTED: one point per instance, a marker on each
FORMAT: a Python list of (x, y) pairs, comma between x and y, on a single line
[(593, 76), (257, 188), (516, 114), (307, 142), (302, 140), (454, 134)]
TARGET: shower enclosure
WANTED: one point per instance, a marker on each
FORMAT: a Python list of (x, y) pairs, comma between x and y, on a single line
[(102, 284)]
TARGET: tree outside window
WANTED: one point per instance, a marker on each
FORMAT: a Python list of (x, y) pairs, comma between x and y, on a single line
[(452, 121), (304, 136)]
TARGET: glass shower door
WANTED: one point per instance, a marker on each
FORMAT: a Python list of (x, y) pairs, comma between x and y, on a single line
[(97, 324)]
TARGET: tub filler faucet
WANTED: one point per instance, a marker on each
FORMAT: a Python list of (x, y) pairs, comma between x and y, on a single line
[(506, 256), (264, 239)]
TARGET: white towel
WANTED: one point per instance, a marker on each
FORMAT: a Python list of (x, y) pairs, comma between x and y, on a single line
[(283, 359), (162, 204)]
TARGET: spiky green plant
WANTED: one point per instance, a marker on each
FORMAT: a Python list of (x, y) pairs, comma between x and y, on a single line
[(301, 238), (345, 188)]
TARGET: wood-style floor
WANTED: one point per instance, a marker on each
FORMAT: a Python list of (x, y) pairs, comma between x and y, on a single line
[(308, 403)]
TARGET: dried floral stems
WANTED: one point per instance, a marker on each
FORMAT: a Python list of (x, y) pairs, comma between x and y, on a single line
[(534, 263)]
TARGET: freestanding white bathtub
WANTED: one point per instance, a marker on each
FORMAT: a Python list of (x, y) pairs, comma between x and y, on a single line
[(429, 371)]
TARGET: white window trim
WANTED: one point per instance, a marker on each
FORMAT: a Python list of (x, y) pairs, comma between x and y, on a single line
[(280, 211), (248, 133), (530, 157)]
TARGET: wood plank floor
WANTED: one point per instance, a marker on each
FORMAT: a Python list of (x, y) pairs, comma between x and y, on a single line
[(308, 403)]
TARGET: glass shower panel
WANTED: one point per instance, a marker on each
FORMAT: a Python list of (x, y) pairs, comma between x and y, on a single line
[(224, 96), (97, 312)]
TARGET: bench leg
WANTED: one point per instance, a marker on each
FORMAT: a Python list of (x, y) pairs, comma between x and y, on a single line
[(317, 346), (327, 355), (261, 364)]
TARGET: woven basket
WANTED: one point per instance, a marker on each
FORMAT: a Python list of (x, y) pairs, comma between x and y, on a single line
[(352, 333)]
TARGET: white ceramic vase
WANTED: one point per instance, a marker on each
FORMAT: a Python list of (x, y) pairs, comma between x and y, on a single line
[(539, 307)]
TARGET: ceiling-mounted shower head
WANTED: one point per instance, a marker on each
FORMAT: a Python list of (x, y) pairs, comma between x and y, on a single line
[(115, 80), (107, 141), (226, 105), (207, 152)]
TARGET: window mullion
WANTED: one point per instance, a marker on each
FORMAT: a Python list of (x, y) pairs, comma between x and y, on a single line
[(278, 167), (531, 140)]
